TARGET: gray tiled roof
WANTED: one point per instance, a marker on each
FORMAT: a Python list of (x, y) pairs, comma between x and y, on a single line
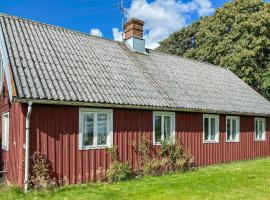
[(54, 63)]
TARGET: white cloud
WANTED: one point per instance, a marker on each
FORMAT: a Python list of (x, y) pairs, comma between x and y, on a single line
[(163, 17), (96, 32), (117, 35), (204, 7)]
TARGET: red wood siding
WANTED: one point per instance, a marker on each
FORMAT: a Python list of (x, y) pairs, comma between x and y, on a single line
[(54, 132), (189, 128), (13, 157)]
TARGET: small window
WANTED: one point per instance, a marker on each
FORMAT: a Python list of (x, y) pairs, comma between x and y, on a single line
[(164, 126), (95, 128), (5, 130), (1, 73), (232, 128), (259, 129), (210, 128)]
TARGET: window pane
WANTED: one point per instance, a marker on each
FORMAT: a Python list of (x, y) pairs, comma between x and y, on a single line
[(213, 128), (260, 129), (157, 128), (5, 127), (234, 131), (102, 129), (88, 129), (206, 129), (228, 129), (167, 127), (257, 129)]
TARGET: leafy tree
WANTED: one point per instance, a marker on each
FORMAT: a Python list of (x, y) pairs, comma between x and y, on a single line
[(237, 37)]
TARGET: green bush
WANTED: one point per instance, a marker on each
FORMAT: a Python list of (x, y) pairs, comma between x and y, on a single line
[(143, 149), (179, 158), (119, 171), (155, 167), (114, 153), (170, 157), (42, 174)]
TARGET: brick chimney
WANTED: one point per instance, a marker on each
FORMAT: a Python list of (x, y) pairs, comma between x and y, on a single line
[(134, 34)]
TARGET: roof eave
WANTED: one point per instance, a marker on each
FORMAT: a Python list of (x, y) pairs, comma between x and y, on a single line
[(141, 107)]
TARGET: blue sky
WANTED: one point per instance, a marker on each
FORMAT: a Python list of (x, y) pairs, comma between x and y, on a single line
[(84, 15)]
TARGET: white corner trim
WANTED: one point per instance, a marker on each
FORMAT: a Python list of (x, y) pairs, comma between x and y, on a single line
[(5, 60)]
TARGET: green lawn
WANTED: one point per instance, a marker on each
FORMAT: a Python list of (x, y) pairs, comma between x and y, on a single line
[(239, 180)]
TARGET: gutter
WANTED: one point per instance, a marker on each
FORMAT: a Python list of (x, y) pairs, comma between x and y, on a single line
[(127, 106), (27, 146)]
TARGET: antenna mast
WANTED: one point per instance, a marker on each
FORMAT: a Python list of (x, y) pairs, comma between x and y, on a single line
[(123, 12)]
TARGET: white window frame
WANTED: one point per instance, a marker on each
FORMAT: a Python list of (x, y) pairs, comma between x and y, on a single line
[(237, 128), (5, 139), (216, 125), (264, 129), (1, 73), (109, 113), (162, 114)]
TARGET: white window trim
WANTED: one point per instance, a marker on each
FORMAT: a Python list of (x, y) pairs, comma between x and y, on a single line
[(172, 115), (217, 128), (110, 128), (1, 73), (237, 126), (264, 129), (7, 135)]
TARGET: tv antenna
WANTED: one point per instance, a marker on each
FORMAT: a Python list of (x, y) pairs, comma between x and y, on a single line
[(124, 12)]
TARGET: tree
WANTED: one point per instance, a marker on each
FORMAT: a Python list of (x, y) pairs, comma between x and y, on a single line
[(236, 37)]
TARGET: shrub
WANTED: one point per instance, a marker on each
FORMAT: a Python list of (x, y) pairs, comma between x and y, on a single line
[(179, 158), (114, 153), (119, 171), (42, 176), (143, 149), (101, 175), (170, 157)]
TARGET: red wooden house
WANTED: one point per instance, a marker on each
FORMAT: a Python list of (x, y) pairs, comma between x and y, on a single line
[(70, 96)]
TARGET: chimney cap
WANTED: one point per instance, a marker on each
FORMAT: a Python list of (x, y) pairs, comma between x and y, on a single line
[(134, 20)]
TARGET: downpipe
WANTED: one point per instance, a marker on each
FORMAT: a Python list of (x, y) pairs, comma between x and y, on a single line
[(27, 146)]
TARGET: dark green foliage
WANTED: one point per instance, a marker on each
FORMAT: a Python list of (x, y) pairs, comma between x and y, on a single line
[(236, 37)]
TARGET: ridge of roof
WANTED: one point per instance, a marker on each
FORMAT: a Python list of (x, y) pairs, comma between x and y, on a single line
[(106, 39), (57, 27)]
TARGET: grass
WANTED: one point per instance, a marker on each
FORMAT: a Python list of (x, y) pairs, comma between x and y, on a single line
[(238, 180)]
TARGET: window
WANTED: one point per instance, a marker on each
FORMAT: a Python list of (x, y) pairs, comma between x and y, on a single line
[(1, 73), (95, 128), (164, 126), (210, 128), (5, 130), (232, 128), (259, 129)]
